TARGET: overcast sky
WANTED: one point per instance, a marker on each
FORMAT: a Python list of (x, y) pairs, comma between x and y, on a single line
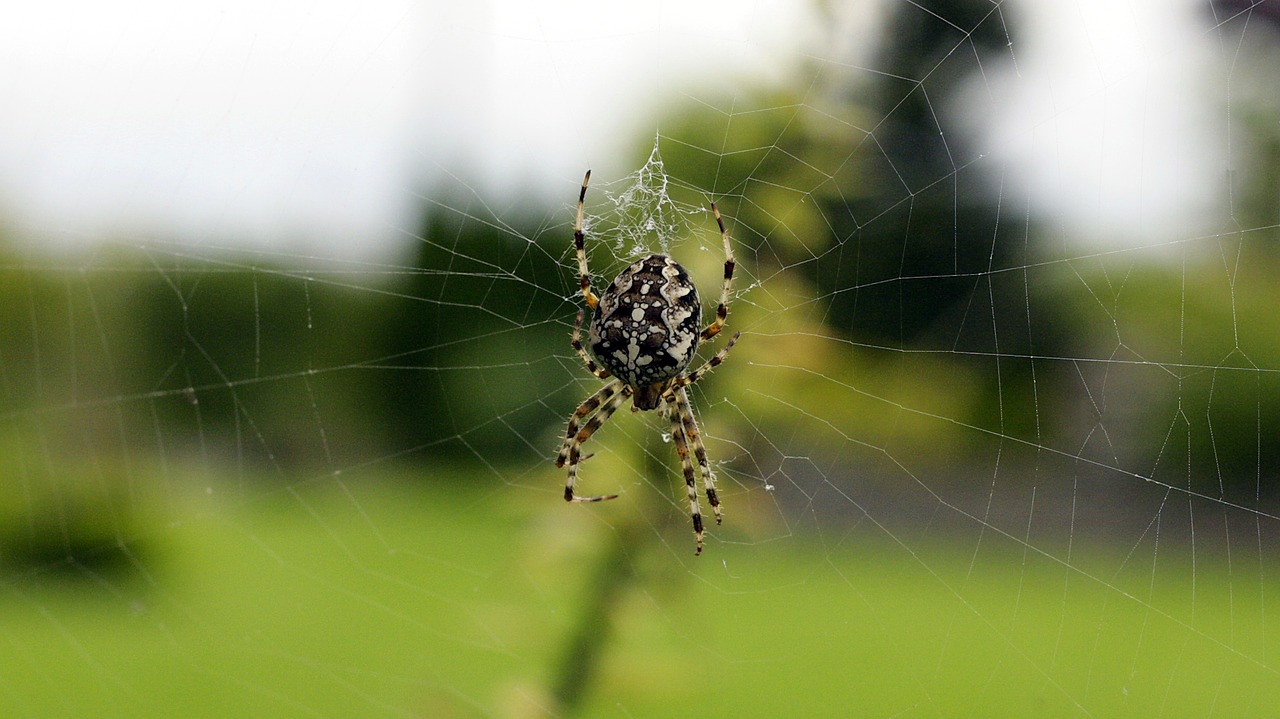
[(308, 126)]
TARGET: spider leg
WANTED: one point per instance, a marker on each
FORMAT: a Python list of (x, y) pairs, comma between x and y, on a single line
[(694, 438), (588, 406), (579, 246), (710, 364), (722, 310), (686, 463), (576, 341), (614, 400)]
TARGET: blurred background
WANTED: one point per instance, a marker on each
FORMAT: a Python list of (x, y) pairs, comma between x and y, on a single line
[(285, 309)]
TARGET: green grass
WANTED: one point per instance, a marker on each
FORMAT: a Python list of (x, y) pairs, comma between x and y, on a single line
[(376, 598)]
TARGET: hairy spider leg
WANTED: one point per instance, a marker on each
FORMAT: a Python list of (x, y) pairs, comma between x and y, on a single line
[(579, 246), (602, 415), (576, 341), (694, 439), (722, 310), (584, 410), (709, 365), (690, 479)]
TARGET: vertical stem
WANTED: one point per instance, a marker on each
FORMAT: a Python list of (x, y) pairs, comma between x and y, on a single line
[(613, 575), (580, 662)]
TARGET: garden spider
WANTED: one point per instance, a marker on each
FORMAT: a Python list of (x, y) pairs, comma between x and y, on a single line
[(644, 330)]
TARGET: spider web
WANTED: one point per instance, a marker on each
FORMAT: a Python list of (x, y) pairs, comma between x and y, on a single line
[(644, 217), (997, 438)]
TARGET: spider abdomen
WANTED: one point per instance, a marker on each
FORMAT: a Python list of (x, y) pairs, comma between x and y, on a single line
[(646, 327)]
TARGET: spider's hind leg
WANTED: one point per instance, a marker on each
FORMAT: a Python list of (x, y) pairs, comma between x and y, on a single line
[(579, 246), (722, 310)]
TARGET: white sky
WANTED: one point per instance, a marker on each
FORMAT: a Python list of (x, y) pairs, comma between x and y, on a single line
[(308, 126)]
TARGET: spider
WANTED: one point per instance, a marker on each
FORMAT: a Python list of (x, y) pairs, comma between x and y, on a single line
[(644, 331)]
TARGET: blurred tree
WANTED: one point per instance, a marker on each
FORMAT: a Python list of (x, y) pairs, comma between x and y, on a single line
[(471, 337), (928, 221)]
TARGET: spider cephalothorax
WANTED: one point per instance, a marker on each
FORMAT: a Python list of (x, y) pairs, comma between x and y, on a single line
[(645, 332)]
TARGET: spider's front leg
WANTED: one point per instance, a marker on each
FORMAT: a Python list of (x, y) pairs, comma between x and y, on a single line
[(608, 400), (589, 405), (693, 438), (690, 479)]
